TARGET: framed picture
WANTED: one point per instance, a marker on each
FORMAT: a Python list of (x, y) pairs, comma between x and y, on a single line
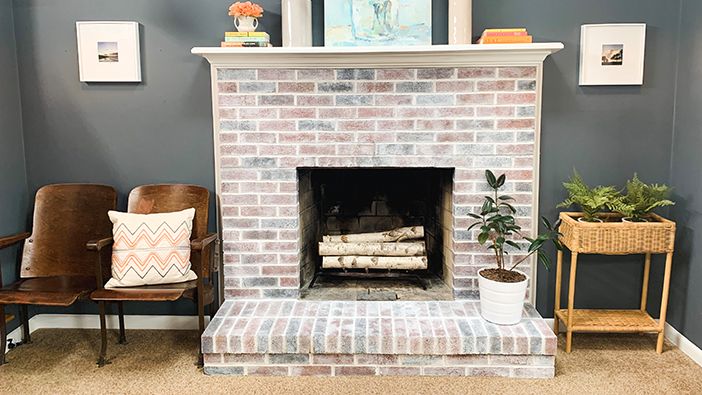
[(108, 51), (350, 23), (612, 54)]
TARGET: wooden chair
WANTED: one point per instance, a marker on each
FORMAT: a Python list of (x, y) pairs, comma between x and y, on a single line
[(150, 199), (55, 268)]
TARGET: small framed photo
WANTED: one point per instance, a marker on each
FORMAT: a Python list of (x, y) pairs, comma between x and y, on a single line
[(612, 54), (108, 51)]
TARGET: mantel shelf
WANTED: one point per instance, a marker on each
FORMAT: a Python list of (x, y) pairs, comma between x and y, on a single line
[(419, 56)]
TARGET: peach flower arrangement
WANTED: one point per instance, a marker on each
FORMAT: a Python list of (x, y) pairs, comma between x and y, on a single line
[(246, 8)]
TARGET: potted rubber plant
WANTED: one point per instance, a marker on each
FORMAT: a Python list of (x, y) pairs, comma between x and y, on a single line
[(592, 201), (641, 199), (503, 287)]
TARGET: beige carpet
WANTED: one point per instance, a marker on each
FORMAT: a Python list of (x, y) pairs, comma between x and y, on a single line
[(62, 361)]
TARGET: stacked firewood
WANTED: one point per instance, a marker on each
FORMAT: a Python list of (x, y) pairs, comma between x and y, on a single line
[(400, 249)]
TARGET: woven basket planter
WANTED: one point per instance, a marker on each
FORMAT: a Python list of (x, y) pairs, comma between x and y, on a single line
[(613, 237)]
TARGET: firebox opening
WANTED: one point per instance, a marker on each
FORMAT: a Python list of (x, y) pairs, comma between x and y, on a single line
[(343, 201)]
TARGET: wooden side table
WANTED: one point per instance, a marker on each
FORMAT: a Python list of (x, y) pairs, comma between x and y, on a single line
[(613, 238)]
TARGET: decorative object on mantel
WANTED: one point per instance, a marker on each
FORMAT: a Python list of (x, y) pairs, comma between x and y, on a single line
[(296, 21), (460, 22), (108, 51), (502, 289), (246, 39), (377, 22), (505, 36), (245, 15), (612, 54)]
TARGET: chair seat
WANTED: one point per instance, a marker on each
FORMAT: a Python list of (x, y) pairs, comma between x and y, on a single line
[(48, 291), (153, 293)]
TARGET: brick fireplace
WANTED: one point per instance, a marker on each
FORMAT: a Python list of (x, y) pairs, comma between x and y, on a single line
[(297, 133)]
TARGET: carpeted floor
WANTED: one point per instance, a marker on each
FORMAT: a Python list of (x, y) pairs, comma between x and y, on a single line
[(62, 361)]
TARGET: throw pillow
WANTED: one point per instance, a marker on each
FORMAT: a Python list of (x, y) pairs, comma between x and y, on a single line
[(151, 248)]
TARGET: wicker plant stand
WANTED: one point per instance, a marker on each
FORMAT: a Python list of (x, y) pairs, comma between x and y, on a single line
[(613, 237)]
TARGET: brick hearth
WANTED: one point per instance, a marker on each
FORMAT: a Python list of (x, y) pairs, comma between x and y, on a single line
[(289, 337)]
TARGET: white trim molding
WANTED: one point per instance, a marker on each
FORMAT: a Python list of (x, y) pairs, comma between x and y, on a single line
[(92, 321), (378, 57)]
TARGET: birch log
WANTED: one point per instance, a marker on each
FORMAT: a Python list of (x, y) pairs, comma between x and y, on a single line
[(416, 248), (375, 262), (399, 234)]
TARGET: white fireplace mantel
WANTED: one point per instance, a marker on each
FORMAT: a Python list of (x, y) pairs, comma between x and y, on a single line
[(415, 56)]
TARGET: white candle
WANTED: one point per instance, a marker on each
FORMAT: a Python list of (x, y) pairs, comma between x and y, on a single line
[(460, 23), (296, 16)]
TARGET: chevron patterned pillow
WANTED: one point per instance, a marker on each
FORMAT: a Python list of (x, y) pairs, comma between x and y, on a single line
[(151, 248)]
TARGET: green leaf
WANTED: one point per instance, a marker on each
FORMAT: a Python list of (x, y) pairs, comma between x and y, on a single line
[(473, 225), (506, 197), (490, 176), (482, 237), (513, 244), (473, 215), (546, 222), (501, 180)]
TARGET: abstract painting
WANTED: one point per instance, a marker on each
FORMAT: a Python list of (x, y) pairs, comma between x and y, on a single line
[(350, 23)]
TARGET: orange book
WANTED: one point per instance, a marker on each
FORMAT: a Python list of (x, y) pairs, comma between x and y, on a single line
[(506, 40)]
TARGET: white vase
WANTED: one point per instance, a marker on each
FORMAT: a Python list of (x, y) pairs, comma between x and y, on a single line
[(460, 22), (502, 303), (245, 23), (296, 21)]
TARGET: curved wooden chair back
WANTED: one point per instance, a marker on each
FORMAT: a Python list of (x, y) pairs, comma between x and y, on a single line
[(164, 198), (66, 217)]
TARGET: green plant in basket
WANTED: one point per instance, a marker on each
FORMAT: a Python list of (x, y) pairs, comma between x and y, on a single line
[(641, 199), (498, 230), (590, 200)]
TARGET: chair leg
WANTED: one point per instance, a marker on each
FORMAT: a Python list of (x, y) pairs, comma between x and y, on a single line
[(24, 318), (122, 336), (3, 334), (201, 329), (103, 335)]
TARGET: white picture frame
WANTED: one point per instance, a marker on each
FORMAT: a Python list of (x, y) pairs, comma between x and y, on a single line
[(612, 54), (108, 51)]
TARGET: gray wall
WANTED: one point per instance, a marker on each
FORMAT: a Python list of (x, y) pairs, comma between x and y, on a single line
[(160, 130), (685, 311), (607, 133), (13, 181)]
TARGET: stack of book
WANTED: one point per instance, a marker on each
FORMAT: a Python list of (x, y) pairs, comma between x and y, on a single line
[(505, 36), (246, 39)]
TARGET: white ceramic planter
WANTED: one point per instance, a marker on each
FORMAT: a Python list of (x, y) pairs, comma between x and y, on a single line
[(245, 23), (296, 22), (502, 303)]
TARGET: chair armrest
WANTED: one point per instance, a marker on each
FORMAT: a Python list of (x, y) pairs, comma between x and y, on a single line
[(10, 240), (202, 243), (98, 245)]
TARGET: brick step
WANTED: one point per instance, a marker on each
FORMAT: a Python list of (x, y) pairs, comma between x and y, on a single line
[(298, 336)]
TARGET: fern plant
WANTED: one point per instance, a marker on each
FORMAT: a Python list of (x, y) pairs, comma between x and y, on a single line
[(590, 200), (641, 199), (498, 228)]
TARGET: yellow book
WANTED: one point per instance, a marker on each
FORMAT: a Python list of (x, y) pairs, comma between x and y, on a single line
[(245, 34), (506, 40)]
